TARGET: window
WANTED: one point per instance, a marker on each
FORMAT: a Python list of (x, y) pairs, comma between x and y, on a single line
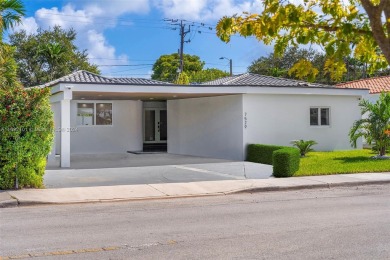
[(85, 114), (94, 114), (319, 116), (103, 113)]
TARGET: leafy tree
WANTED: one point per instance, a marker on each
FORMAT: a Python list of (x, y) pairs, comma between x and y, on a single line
[(166, 66), (182, 79), (376, 124), (166, 69), (279, 66), (337, 25), (48, 55), (207, 75)]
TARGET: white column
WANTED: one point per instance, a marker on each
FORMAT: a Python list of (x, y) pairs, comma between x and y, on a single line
[(65, 133), (65, 126)]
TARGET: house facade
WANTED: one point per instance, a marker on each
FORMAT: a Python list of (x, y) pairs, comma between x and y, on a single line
[(95, 114)]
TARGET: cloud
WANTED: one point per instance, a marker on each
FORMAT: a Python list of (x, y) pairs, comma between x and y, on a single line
[(89, 21), (28, 24), (205, 10)]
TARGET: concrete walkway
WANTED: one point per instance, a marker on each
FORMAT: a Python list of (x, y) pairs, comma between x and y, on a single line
[(174, 190)]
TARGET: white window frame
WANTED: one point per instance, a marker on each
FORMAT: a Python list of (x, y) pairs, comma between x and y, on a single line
[(94, 113), (319, 117)]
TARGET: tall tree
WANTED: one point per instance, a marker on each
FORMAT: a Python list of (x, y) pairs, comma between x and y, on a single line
[(48, 55), (282, 66), (166, 66), (207, 75), (341, 27), (166, 69)]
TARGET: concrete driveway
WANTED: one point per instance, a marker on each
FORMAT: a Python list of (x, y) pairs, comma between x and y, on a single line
[(128, 169)]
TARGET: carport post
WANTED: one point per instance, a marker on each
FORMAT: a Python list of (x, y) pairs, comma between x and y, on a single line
[(65, 127)]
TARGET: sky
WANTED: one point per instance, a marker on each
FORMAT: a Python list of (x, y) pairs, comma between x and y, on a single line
[(136, 33)]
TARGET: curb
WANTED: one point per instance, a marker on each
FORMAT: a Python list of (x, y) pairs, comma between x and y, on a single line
[(9, 203), (15, 202), (312, 186)]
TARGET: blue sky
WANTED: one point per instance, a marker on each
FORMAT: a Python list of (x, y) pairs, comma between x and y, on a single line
[(133, 32)]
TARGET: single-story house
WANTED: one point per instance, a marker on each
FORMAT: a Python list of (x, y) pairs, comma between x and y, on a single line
[(95, 114), (375, 85)]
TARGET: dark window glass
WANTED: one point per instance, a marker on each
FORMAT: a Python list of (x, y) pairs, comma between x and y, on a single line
[(103, 114), (324, 116), (313, 116)]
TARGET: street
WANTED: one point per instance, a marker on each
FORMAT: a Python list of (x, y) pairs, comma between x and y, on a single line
[(336, 223)]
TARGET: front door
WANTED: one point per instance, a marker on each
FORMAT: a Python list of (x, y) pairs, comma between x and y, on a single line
[(155, 126)]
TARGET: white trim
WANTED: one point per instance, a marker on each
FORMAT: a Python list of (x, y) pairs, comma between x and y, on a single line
[(223, 90)]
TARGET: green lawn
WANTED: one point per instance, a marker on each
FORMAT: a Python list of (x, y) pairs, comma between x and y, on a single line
[(322, 163)]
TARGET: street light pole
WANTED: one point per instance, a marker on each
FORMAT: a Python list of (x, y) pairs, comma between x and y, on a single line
[(230, 64)]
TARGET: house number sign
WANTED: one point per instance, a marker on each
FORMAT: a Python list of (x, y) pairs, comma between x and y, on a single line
[(245, 120)]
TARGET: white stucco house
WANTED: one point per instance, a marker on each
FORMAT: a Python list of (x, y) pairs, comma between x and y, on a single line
[(95, 114)]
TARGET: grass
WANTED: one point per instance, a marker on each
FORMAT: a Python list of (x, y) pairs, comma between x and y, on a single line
[(337, 162)]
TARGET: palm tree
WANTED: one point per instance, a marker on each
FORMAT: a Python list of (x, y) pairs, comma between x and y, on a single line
[(11, 13), (375, 127)]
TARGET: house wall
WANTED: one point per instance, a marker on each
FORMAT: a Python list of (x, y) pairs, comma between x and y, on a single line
[(207, 127), (279, 119), (125, 134)]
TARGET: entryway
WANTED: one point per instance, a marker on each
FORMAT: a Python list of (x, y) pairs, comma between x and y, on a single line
[(155, 132)]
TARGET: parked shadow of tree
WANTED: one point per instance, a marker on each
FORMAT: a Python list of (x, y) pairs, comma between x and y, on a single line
[(354, 159)]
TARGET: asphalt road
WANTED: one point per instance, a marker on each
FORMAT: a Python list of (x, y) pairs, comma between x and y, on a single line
[(337, 223)]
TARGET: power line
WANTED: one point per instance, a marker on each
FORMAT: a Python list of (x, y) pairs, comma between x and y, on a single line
[(123, 65)]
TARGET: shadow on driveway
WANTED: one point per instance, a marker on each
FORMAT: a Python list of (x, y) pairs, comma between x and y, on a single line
[(132, 169)]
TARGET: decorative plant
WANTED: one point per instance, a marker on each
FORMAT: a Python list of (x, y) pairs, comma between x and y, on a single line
[(304, 146), (375, 126)]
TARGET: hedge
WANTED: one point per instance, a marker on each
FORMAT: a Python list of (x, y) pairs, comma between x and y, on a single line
[(261, 153), (285, 160), (26, 135)]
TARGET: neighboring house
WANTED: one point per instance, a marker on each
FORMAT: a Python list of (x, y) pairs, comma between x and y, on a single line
[(96, 114), (375, 85)]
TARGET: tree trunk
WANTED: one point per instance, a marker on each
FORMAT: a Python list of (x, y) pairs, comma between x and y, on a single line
[(374, 13)]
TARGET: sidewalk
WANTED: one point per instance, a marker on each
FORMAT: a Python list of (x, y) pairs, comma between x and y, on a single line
[(175, 190)]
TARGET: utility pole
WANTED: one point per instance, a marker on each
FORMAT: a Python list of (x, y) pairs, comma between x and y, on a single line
[(230, 64), (183, 34)]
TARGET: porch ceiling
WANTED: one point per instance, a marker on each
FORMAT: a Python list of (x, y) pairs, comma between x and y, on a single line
[(80, 95)]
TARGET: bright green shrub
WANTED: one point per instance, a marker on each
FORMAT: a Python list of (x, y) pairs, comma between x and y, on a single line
[(285, 161), (261, 153), (26, 135)]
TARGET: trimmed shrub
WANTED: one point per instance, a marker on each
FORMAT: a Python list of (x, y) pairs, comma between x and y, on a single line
[(285, 162), (261, 153), (26, 135)]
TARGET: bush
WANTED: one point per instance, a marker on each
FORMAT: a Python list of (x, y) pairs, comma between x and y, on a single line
[(261, 153), (26, 134), (304, 146), (285, 162)]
